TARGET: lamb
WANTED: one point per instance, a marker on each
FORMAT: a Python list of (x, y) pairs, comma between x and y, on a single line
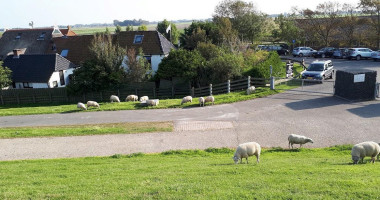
[(152, 102), (201, 101), (93, 104), (251, 90), (187, 99), (361, 150), (144, 98), (245, 150), (298, 139), (210, 99), (132, 98), (114, 98), (81, 106)]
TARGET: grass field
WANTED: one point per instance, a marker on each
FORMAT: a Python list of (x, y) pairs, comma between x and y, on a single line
[(211, 174), (90, 129), (33, 109)]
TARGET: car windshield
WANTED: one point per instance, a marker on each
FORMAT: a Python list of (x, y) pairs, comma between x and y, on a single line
[(316, 67)]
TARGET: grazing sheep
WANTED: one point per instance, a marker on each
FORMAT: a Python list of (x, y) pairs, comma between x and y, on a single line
[(201, 101), (81, 106), (210, 99), (251, 90), (298, 139), (361, 150), (144, 98), (114, 98), (187, 99), (153, 102), (245, 150), (132, 98), (93, 104)]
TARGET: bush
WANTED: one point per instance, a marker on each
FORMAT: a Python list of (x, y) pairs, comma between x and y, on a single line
[(262, 70)]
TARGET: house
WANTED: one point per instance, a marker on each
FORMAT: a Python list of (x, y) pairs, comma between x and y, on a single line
[(77, 48), (38, 70)]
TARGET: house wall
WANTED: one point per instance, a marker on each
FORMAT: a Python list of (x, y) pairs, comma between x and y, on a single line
[(55, 77), (155, 61), (19, 85)]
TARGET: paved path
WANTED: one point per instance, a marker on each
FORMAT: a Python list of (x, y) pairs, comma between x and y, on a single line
[(326, 119)]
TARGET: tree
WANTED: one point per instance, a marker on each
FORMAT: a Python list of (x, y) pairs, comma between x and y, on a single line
[(372, 7), (287, 30), (209, 29), (138, 68), (5, 76), (129, 28), (107, 32), (348, 25), (142, 28), (103, 70), (173, 35), (118, 29), (225, 67)]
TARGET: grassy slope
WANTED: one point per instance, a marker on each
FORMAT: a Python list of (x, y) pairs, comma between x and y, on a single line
[(30, 109), (282, 174), (93, 129)]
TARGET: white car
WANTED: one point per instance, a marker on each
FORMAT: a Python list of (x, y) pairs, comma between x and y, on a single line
[(359, 53), (376, 55), (319, 70)]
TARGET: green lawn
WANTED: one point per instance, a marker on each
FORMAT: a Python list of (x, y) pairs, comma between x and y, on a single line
[(33, 109), (211, 174), (89, 129)]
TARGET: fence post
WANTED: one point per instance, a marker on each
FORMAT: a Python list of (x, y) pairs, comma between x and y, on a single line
[(192, 92), (210, 89), (18, 98), (272, 79), (228, 86), (249, 81)]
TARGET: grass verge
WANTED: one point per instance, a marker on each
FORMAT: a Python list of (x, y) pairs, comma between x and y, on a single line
[(34, 109), (89, 129), (210, 174)]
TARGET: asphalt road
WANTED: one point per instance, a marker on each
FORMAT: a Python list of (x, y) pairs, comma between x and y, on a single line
[(327, 120)]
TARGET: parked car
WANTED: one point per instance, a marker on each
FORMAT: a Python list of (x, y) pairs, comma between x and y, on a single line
[(319, 70), (359, 53), (325, 52), (303, 51), (376, 55), (279, 49), (340, 53)]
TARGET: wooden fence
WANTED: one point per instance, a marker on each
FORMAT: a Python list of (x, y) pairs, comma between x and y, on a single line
[(59, 95)]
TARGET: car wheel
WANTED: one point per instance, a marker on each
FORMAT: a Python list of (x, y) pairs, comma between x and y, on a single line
[(301, 55), (358, 57)]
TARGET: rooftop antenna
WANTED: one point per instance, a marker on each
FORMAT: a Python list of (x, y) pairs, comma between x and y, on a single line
[(31, 24)]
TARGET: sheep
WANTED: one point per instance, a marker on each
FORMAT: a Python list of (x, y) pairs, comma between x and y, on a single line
[(245, 150), (114, 98), (251, 90), (93, 104), (361, 150), (210, 99), (132, 98), (81, 106), (201, 101), (153, 102), (187, 99), (298, 139), (144, 98)]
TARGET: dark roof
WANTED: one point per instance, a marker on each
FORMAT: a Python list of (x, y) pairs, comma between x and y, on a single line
[(153, 43), (36, 68), (28, 39)]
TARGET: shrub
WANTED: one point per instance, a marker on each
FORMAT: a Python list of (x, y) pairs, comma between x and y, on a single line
[(262, 70)]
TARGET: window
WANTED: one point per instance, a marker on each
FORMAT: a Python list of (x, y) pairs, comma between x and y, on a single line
[(55, 84), (42, 36), (138, 39), (64, 53), (27, 85), (61, 77), (18, 36)]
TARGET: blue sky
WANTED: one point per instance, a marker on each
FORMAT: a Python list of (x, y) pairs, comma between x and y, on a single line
[(19, 13)]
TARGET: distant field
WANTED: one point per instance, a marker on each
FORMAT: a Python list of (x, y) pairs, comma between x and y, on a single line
[(91, 31)]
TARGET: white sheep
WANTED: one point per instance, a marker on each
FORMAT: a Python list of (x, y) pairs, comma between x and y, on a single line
[(245, 150), (187, 99), (153, 102), (210, 99), (298, 139), (201, 101), (93, 104), (114, 98), (251, 90), (144, 98), (81, 106), (132, 98), (361, 150)]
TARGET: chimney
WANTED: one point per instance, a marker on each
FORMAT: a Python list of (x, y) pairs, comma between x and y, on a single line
[(18, 52)]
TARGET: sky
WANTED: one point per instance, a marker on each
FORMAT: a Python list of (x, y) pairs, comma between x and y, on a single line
[(18, 14)]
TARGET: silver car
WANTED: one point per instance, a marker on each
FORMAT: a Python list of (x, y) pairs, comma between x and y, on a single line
[(359, 53), (303, 51), (319, 70), (376, 55)]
